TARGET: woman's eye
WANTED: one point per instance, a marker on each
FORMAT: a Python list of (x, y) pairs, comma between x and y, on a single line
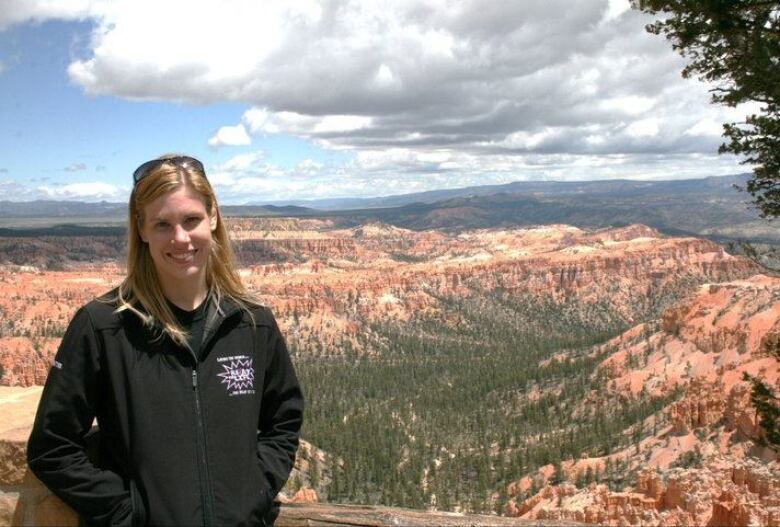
[(160, 225), (193, 219)]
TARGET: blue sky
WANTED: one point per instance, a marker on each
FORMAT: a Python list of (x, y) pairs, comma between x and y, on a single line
[(53, 134), (314, 98)]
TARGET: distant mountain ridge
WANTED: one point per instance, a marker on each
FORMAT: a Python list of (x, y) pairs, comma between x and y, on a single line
[(616, 187), (55, 209), (710, 207), (108, 211)]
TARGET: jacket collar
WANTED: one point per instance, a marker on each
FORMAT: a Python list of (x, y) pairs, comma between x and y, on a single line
[(216, 314)]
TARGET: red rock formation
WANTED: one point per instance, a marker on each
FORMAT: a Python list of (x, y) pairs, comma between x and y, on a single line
[(703, 405), (745, 494), (321, 281), (26, 361), (702, 345), (305, 495), (740, 414), (716, 335)]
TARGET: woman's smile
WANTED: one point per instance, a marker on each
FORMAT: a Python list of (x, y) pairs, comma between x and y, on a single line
[(183, 257)]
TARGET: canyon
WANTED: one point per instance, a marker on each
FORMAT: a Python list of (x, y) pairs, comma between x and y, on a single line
[(705, 465), (513, 371), (319, 280)]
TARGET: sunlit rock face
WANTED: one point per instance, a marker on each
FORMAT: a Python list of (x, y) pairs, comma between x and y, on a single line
[(705, 343), (704, 464)]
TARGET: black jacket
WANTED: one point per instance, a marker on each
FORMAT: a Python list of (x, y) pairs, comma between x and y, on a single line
[(183, 440)]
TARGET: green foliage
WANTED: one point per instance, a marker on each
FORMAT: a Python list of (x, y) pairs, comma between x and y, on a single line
[(558, 476), (314, 472), (765, 255), (767, 406), (585, 478), (701, 434), (689, 459), (463, 408), (736, 45), (407, 257)]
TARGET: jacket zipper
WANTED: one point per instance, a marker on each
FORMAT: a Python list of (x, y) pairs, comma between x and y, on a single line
[(203, 465), (207, 495)]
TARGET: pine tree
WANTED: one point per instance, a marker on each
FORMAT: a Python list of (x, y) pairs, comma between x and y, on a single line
[(735, 44)]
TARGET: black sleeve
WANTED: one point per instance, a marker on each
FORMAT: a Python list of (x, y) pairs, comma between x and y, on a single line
[(281, 414), (56, 450)]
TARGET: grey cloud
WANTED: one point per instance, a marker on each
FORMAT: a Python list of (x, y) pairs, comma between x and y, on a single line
[(19, 11), (75, 167), (491, 78)]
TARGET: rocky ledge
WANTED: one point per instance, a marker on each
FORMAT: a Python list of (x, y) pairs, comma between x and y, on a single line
[(332, 515)]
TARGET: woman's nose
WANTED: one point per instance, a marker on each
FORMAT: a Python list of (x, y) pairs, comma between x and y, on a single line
[(180, 234)]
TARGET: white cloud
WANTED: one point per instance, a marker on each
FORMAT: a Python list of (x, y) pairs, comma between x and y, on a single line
[(87, 191), (18, 11), (230, 135), (384, 78), (706, 126), (398, 170), (643, 128), (221, 179), (261, 120), (630, 104), (241, 162), (309, 166), (527, 141), (616, 8), (431, 88)]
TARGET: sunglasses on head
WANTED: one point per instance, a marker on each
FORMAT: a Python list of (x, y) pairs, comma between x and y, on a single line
[(178, 161)]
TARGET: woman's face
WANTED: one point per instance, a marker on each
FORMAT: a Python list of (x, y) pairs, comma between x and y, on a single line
[(177, 227)]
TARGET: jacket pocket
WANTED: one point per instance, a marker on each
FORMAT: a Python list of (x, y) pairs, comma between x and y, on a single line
[(139, 510), (272, 511), (261, 513)]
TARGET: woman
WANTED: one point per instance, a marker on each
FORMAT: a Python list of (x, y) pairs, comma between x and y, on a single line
[(196, 398)]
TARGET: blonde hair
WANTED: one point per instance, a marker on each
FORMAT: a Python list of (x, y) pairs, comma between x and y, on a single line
[(141, 287)]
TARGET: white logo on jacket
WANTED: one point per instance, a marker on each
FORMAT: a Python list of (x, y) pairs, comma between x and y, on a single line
[(238, 374)]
